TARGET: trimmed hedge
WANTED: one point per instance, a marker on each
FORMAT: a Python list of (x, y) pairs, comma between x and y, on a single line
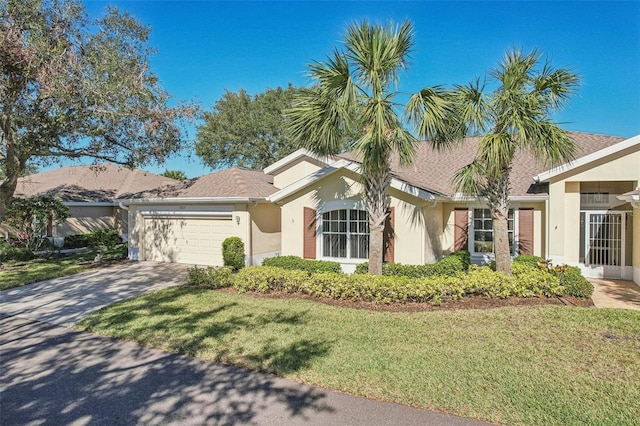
[(101, 237), (525, 282), (233, 253), (300, 264), (455, 263), (210, 277)]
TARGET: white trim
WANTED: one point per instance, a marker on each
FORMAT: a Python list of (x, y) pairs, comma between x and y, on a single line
[(90, 203), (159, 214), (353, 167), (610, 150), (195, 200), (294, 156), (458, 197), (634, 199)]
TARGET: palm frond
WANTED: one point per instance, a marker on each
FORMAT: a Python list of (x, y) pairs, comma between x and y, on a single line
[(470, 179), (430, 111), (552, 146), (496, 153)]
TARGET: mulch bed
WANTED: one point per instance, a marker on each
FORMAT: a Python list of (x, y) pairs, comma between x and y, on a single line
[(469, 302)]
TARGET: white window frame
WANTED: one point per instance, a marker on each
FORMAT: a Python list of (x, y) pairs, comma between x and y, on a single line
[(471, 233), (347, 204)]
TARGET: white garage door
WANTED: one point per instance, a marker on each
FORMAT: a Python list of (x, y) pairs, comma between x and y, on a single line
[(186, 240)]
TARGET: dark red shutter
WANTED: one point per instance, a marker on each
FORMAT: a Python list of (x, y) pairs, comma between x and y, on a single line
[(309, 244), (389, 236), (525, 231), (461, 229)]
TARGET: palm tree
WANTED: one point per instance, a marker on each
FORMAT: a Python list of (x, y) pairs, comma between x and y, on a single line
[(516, 116), (354, 91)]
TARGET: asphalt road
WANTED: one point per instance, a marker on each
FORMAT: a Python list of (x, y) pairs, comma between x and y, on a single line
[(51, 374)]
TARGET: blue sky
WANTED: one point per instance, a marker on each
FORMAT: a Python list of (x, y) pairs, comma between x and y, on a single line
[(205, 47)]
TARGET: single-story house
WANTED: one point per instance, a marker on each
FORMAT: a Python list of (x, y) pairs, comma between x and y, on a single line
[(583, 213), (91, 193)]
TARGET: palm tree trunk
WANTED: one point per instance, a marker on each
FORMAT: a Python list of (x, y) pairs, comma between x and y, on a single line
[(378, 208), (501, 240), (376, 249)]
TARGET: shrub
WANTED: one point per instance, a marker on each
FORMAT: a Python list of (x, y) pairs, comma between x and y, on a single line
[(526, 281), (102, 237), (453, 264), (263, 279), (233, 253), (9, 251), (297, 263), (531, 260), (572, 280), (211, 277)]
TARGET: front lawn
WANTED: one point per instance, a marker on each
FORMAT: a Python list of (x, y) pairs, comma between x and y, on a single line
[(18, 273), (512, 365)]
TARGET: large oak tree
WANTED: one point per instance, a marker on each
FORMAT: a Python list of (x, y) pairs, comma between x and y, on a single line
[(246, 130), (72, 87)]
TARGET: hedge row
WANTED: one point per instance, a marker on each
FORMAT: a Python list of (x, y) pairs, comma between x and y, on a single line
[(297, 263), (455, 263), (101, 237), (525, 282)]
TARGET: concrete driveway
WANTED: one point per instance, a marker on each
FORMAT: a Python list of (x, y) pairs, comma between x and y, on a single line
[(66, 300)]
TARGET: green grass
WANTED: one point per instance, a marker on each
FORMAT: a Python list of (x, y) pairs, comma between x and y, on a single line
[(537, 365), (19, 273)]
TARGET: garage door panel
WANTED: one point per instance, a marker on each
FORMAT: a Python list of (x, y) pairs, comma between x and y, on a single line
[(186, 240)]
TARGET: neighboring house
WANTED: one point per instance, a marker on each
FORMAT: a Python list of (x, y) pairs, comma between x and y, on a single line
[(187, 222), (91, 192), (580, 214)]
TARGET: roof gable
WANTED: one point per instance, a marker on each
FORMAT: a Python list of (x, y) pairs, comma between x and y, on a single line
[(589, 158)]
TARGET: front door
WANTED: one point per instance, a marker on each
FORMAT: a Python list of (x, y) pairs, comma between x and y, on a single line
[(604, 244)]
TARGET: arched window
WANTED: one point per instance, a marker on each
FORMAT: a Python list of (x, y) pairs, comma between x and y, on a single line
[(345, 234)]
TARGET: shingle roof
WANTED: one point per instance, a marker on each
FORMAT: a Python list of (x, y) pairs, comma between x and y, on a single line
[(97, 183), (233, 182), (434, 170)]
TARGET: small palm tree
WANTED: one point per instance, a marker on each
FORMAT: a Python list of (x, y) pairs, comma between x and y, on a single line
[(354, 92), (516, 116)]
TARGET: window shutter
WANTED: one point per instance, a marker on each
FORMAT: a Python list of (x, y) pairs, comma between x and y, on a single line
[(461, 229), (525, 231), (389, 236), (309, 233)]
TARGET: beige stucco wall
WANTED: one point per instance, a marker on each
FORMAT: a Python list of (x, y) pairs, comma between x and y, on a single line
[(615, 174), (83, 219), (294, 172), (418, 224), (265, 231), (539, 221)]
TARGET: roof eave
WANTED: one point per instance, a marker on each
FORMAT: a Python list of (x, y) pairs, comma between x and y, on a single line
[(615, 148), (193, 200)]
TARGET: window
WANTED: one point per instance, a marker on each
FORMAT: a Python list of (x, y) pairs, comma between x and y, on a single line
[(345, 234), (483, 231)]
